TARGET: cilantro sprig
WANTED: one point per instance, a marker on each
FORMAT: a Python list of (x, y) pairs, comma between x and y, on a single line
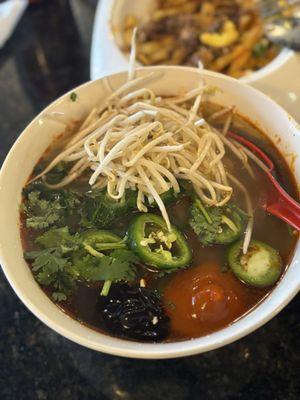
[(51, 268), (43, 208), (41, 213), (115, 267), (63, 261), (217, 225)]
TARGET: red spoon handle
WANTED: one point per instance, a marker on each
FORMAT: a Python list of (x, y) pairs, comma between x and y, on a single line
[(251, 146), (280, 203), (284, 207)]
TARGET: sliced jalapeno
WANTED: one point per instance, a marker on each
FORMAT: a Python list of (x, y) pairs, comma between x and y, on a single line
[(261, 266), (150, 239)]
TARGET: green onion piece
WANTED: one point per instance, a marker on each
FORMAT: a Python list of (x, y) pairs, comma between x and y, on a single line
[(105, 288), (203, 210), (73, 96), (260, 49), (92, 251), (110, 246)]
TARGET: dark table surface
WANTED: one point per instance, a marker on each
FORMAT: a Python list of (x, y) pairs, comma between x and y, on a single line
[(47, 55)]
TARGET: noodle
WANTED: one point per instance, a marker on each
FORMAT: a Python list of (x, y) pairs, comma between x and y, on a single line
[(146, 143), (249, 227)]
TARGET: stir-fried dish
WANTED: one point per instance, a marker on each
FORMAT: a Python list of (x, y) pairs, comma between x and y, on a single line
[(225, 35), (146, 222)]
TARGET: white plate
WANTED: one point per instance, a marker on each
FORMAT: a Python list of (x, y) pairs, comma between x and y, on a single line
[(280, 79)]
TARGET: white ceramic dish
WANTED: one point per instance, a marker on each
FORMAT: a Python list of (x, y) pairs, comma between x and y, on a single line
[(280, 79), (39, 134)]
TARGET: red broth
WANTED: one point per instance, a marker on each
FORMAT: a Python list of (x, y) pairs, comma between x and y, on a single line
[(207, 296)]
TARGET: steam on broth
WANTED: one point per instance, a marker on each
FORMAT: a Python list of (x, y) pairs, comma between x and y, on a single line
[(148, 222)]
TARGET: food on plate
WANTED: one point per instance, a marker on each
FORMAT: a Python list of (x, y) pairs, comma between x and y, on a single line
[(225, 35), (146, 221)]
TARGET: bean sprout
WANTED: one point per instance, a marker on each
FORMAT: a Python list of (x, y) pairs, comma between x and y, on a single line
[(140, 141)]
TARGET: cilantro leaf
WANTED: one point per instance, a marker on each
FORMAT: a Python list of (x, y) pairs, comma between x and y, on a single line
[(70, 200), (63, 260), (45, 208), (113, 269), (217, 225), (125, 255), (51, 268), (57, 173), (52, 265), (101, 211), (205, 229), (73, 96), (59, 296), (60, 238), (93, 269), (41, 213)]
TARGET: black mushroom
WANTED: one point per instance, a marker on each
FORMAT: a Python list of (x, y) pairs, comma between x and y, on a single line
[(134, 313)]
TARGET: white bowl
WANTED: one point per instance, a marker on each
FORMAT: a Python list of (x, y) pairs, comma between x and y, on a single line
[(278, 79), (40, 133)]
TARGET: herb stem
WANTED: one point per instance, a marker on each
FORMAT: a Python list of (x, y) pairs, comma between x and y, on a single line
[(105, 288), (92, 251), (110, 246), (231, 225), (203, 210)]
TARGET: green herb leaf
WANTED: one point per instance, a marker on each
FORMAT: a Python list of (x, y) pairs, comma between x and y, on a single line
[(101, 211), (125, 255), (51, 268), (64, 260), (41, 213), (57, 173), (73, 96), (59, 296), (204, 229), (59, 238), (116, 270), (46, 208), (260, 49), (70, 200), (90, 268), (217, 225)]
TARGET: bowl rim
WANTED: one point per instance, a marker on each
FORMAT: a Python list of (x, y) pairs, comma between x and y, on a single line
[(133, 349)]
